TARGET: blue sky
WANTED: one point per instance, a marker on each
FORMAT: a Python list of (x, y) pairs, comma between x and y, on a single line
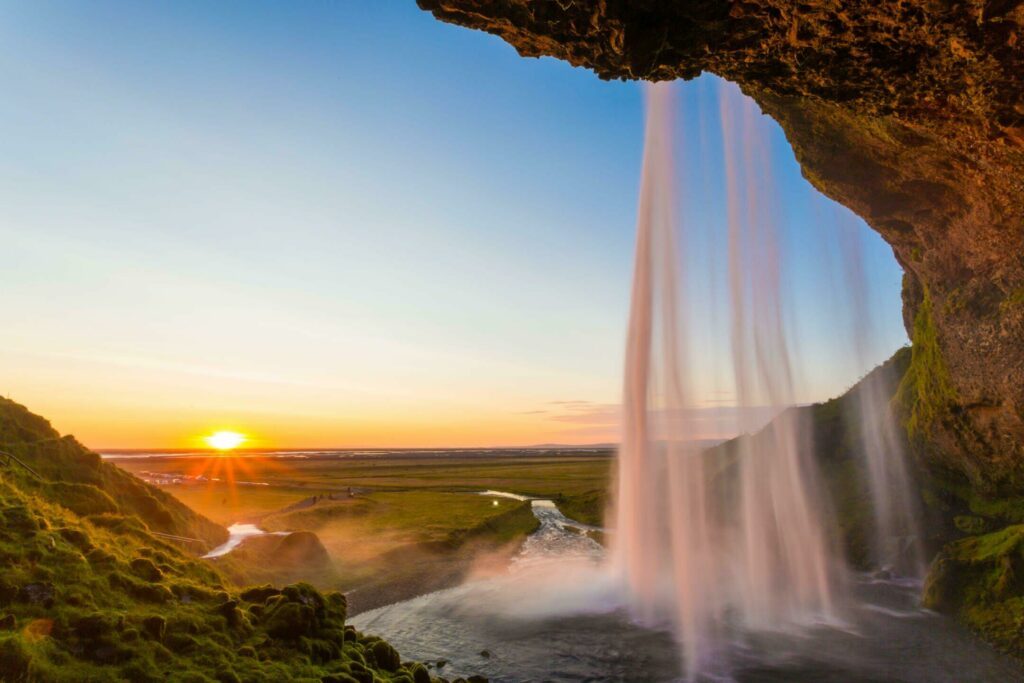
[(337, 224)]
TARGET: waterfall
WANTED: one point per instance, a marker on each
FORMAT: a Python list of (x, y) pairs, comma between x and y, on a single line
[(897, 541), (734, 539)]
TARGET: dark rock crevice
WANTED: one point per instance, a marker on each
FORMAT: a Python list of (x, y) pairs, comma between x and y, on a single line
[(909, 113)]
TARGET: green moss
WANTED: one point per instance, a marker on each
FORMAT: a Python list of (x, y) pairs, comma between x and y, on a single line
[(587, 507), (82, 499), (980, 579), (926, 392), (969, 524), (513, 524), (386, 656)]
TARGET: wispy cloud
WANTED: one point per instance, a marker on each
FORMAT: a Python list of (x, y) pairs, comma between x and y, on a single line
[(603, 420)]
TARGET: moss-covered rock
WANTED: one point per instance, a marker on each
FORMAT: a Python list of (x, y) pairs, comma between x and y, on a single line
[(386, 656), (981, 580), (259, 594)]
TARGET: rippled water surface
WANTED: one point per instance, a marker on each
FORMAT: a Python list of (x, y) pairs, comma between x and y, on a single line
[(555, 616)]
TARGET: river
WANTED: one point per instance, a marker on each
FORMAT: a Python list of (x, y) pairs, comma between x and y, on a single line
[(556, 615)]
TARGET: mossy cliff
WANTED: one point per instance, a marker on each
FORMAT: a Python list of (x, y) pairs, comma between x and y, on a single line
[(978, 575), (88, 592)]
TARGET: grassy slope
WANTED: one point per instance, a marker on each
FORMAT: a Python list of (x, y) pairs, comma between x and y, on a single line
[(80, 479), (586, 506), (280, 559), (92, 595), (411, 541)]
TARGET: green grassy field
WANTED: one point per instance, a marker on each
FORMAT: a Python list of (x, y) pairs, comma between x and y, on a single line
[(394, 525), (563, 474)]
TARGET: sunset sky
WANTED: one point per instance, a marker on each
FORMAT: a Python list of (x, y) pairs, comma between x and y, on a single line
[(338, 224)]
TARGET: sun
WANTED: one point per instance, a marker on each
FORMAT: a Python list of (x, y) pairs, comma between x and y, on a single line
[(224, 441)]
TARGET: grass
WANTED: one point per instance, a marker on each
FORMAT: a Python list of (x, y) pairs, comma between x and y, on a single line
[(412, 516), (226, 505), (546, 475), (89, 593), (75, 475), (393, 526), (588, 506), (382, 543)]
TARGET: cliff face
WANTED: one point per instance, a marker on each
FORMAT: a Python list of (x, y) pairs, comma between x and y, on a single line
[(909, 113)]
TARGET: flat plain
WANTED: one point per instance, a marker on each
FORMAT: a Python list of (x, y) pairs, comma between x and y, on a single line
[(394, 523)]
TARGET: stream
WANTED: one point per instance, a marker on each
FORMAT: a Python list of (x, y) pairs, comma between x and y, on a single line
[(556, 615), (238, 533)]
